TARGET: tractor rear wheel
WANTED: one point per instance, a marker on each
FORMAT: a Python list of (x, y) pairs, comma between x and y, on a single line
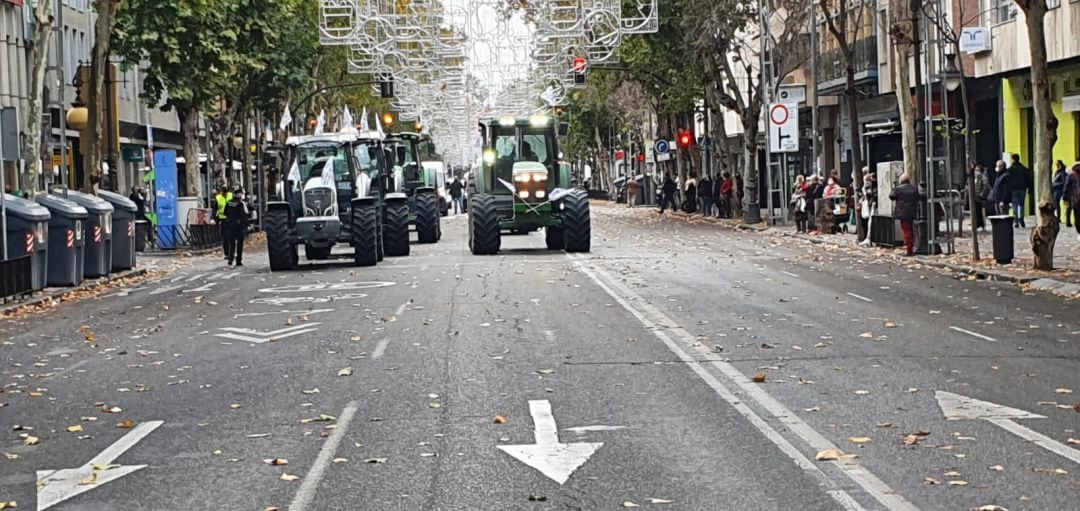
[(427, 217), (555, 237), (576, 223), (396, 229), (484, 236), (365, 224), (316, 253), (281, 251)]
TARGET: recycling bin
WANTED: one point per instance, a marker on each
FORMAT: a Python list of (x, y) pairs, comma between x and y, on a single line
[(27, 232), (66, 251), (123, 230), (1001, 229), (97, 233)]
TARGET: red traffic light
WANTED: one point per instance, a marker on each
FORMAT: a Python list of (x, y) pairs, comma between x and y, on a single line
[(580, 64), (685, 140), (640, 157)]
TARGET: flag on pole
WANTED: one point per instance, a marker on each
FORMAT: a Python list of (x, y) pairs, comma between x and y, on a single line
[(364, 126), (294, 174), (328, 173), (320, 123), (348, 124), (378, 127), (286, 118)]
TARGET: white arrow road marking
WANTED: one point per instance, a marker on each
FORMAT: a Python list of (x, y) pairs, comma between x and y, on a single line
[(165, 289), (201, 289), (56, 486), (553, 459), (957, 407), (249, 335), (303, 312)]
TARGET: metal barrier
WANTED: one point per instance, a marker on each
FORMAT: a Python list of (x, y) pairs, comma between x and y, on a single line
[(191, 237), (15, 278)]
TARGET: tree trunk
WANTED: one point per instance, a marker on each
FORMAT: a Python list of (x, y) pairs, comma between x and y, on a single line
[(39, 58), (245, 153), (750, 168), (96, 126), (901, 34), (969, 158), (1045, 234), (189, 128), (853, 133)]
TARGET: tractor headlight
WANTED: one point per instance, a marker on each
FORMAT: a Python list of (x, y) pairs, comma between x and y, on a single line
[(539, 121), (506, 122), (540, 194), (522, 178), (523, 194), (489, 157), (539, 177)]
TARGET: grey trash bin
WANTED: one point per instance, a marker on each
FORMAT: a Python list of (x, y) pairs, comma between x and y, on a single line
[(97, 233), (65, 240), (1001, 229), (123, 230), (27, 235)]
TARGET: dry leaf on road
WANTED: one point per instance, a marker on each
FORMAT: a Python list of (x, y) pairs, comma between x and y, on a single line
[(829, 455), (760, 378), (499, 419), (126, 424), (860, 439), (345, 372), (276, 461), (74, 429), (290, 478)]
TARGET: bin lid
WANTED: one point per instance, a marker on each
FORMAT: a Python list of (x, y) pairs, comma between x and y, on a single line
[(58, 206), (25, 209), (119, 201), (93, 204)]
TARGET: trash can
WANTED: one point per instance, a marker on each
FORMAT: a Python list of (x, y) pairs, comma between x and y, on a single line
[(65, 240), (27, 235), (142, 229), (123, 230), (1001, 229), (97, 233)]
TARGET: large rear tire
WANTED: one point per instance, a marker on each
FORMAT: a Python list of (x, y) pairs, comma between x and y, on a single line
[(281, 251), (396, 229), (555, 238), (427, 217), (484, 238), (576, 223), (365, 233)]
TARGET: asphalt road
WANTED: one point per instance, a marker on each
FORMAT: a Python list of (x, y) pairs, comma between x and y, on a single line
[(677, 366)]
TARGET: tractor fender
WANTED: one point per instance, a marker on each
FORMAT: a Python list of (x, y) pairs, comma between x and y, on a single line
[(396, 196), (425, 189), (362, 201)]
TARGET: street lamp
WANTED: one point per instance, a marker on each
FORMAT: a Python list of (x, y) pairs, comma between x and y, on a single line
[(951, 76), (78, 116)]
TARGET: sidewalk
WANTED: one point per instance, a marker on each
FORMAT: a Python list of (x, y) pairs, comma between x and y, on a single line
[(1063, 281)]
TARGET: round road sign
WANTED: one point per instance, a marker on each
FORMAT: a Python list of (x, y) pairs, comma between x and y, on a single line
[(662, 146), (779, 114)]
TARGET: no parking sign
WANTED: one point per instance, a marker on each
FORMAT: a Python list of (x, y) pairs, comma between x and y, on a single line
[(783, 127)]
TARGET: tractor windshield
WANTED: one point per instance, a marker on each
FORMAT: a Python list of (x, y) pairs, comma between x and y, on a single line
[(312, 159), (367, 155), (515, 143)]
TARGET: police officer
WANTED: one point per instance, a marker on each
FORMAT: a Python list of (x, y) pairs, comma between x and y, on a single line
[(220, 200), (234, 227)]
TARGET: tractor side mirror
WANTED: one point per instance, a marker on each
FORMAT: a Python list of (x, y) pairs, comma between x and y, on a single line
[(564, 129)]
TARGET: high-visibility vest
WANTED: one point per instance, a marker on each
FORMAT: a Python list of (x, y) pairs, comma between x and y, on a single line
[(222, 200)]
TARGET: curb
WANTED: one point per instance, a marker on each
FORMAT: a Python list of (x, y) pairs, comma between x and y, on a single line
[(58, 294), (179, 253)]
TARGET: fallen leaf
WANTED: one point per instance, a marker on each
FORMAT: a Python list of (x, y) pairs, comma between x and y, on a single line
[(74, 429), (913, 439), (957, 483), (812, 409), (952, 473), (860, 439), (345, 372), (1074, 441), (111, 409), (760, 378), (997, 468), (271, 508), (1063, 391), (290, 478), (862, 392), (258, 435), (31, 440), (545, 371), (312, 391), (931, 480), (11, 504), (11, 456), (629, 504), (340, 460), (276, 461), (1057, 471), (990, 507), (126, 424), (234, 406), (653, 500), (867, 335), (499, 419), (829, 455), (434, 405), (376, 460), (890, 324), (885, 425)]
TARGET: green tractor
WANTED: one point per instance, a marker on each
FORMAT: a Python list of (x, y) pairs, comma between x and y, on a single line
[(338, 190), (413, 180), (521, 187)]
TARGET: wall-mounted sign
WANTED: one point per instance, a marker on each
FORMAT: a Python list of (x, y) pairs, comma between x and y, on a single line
[(975, 40)]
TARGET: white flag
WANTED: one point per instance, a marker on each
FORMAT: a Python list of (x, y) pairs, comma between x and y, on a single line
[(548, 96), (294, 174), (364, 126), (378, 127), (286, 118), (320, 124), (348, 124), (328, 173)]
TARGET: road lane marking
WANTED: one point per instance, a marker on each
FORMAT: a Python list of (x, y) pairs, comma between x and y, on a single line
[(300, 312), (337, 286), (310, 485), (201, 289), (249, 335), (554, 459), (165, 289), (789, 274), (380, 348), (873, 486), (863, 298), (56, 486), (956, 407), (973, 334)]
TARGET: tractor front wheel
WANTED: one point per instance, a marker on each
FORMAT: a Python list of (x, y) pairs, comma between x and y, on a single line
[(484, 236), (365, 224), (396, 229), (576, 223), (282, 252), (427, 217)]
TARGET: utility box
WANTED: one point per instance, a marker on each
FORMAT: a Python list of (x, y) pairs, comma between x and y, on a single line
[(27, 235), (888, 176), (123, 230), (97, 231), (66, 256)]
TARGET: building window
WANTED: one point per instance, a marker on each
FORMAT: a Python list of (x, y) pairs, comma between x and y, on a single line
[(1001, 11), (1053, 4)]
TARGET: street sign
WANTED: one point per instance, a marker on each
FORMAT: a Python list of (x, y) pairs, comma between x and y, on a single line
[(783, 127), (133, 154), (975, 40), (792, 93), (662, 146)]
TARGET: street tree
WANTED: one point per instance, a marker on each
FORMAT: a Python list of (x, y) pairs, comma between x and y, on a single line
[(1044, 235), (39, 61), (90, 139), (901, 30)]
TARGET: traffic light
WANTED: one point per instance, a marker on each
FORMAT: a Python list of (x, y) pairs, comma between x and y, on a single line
[(559, 111), (580, 66), (685, 139), (386, 89)]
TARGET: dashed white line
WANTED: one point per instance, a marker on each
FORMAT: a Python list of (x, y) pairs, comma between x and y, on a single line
[(973, 334), (863, 298), (380, 348), (310, 485), (657, 322)]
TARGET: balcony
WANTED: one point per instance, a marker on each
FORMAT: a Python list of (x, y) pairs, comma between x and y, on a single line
[(831, 68)]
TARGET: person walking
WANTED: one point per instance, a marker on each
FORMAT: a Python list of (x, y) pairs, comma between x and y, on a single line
[(798, 203), (690, 204), (632, 188), (455, 195), (220, 200), (1072, 195), (980, 187), (668, 190), (1021, 182), (1057, 186), (727, 194), (717, 197), (867, 205), (814, 193), (235, 227), (705, 190), (907, 198)]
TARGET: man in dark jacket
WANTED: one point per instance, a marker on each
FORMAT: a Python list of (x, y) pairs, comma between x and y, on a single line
[(235, 227), (456, 187), (907, 199), (1021, 181), (669, 189)]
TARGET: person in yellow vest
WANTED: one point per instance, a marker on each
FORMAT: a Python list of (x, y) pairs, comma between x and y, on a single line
[(220, 200)]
